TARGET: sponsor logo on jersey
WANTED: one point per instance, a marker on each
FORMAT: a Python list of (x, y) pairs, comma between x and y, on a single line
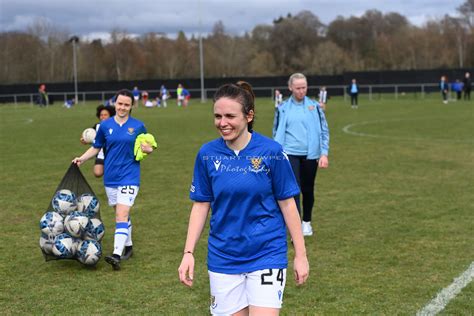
[(131, 131), (217, 164), (285, 155)]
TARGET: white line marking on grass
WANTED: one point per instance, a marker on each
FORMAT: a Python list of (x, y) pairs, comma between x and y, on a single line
[(448, 293), (28, 121), (347, 129)]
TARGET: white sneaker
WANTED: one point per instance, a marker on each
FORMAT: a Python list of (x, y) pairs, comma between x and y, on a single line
[(307, 229)]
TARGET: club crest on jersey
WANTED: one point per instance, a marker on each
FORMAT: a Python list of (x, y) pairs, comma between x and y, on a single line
[(256, 165), (131, 131), (110, 131)]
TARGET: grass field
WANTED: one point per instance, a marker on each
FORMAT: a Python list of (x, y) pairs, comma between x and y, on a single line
[(394, 215)]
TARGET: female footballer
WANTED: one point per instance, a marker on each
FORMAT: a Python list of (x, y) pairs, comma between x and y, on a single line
[(121, 171), (301, 128), (103, 112), (247, 181)]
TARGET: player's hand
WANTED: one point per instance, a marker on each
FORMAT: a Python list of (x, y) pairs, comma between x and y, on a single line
[(146, 148), (78, 161), (323, 162), (186, 269), (301, 269)]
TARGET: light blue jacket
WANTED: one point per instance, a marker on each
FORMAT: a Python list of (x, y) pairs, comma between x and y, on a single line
[(318, 131)]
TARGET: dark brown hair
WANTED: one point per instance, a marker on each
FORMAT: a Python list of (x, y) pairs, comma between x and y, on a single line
[(109, 109), (241, 92), (126, 93)]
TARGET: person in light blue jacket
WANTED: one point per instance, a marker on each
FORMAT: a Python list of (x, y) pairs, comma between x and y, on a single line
[(300, 127)]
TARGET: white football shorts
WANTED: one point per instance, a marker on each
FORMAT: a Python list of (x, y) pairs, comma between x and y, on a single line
[(124, 195), (232, 292)]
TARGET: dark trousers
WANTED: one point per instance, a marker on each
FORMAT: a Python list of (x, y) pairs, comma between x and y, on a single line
[(445, 95), (354, 98), (305, 173), (467, 94)]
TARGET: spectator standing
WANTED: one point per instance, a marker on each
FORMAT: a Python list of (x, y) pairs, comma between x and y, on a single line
[(179, 95), (467, 86), (278, 98), (43, 99), (136, 95), (186, 97), (457, 87), (164, 95), (444, 88), (354, 92), (323, 98)]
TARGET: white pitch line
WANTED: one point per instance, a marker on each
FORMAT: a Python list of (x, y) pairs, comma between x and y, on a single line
[(448, 293), (28, 121), (347, 129)]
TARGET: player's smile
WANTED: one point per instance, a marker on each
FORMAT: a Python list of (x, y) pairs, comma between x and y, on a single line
[(230, 120)]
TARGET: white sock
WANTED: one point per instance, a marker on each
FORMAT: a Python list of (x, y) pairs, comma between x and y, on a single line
[(121, 235), (129, 238)]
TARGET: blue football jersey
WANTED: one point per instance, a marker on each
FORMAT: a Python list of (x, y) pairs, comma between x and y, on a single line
[(120, 166), (248, 231)]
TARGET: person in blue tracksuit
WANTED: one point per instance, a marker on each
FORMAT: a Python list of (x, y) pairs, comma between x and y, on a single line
[(247, 181), (121, 171), (302, 130), (353, 89), (444, 88)]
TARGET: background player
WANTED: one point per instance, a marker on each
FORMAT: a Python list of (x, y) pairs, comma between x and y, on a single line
[(103, 113), (121, 170)]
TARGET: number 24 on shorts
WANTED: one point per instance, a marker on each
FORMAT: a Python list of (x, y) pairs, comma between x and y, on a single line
[(266, 277)]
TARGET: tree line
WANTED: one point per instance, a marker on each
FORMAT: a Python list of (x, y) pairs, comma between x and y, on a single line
[(301, 42)]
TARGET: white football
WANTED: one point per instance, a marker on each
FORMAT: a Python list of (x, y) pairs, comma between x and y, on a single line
[(94, 230), (51, 224), (64, 202), (88, 204), (63, 246), (88, 135), (46, 243), (76, 223), (89, 252)]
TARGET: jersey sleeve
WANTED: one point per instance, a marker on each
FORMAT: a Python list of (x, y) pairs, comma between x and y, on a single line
[(99, 140), (201, 188), (283, 179), (142, 129)]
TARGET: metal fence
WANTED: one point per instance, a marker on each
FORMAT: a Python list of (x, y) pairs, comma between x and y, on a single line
[(370, 91)]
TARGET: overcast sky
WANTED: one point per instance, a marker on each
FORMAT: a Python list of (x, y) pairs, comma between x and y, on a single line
[(94, 18)]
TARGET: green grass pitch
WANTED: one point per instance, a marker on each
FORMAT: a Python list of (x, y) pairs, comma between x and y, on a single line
[(394, 213)]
